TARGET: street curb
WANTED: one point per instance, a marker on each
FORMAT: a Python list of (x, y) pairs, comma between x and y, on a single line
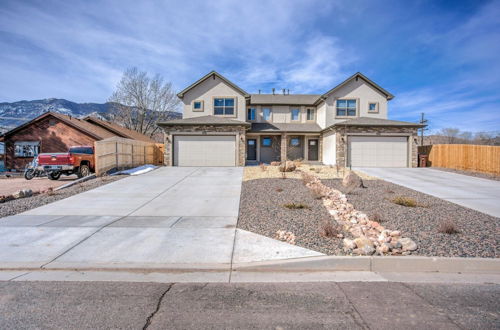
[(377, 264)]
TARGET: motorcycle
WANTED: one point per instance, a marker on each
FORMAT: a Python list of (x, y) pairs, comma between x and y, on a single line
[(31, 170)]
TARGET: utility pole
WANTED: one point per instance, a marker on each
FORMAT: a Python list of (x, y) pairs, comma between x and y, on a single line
[(423, 122)]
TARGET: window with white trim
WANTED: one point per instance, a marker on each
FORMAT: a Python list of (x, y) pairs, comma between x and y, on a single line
[(224, 106), (310, 114), (251, 114), (266, 113), (373, 107), (198, 106), (26, 148), (295, 114), (346, 108)]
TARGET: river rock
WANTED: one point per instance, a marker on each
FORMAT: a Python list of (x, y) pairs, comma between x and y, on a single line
[(408, 244)]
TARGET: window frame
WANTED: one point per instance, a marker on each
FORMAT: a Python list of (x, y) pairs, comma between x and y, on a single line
[(295, 138), (201, 109), (235, 102), (313, 111), (346, 109), (270, 113), (298, 114), (36, 150), (262, 145), (254, 112), (376, 107)]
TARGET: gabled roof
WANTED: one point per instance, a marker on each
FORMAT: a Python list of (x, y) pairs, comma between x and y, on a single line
[(291, 99), (212, 74), (119, 130), (203, 120), (285, 127), (96, 132), (365, 121), (356, 76)]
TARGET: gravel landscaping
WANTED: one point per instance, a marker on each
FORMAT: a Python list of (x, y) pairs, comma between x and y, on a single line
[(24, 204), (478, 233), (470, 173), (262, 211)]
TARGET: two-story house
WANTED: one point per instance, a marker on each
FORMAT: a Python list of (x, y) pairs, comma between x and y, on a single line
[(223, 125)]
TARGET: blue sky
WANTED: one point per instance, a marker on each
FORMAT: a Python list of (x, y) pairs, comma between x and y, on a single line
[(437, 57)]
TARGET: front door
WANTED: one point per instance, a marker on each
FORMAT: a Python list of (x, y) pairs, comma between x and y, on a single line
[(251, 149), (312, 149)]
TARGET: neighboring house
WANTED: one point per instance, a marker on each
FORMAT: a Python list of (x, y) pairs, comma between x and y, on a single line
[(53, 132), (223, 125)]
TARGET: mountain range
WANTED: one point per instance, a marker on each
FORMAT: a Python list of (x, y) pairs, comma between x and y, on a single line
[(15, 113)]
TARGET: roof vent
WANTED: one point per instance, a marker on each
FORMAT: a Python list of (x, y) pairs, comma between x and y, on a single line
[(288, 91), (259, 91), (274, 89), (284, 90)]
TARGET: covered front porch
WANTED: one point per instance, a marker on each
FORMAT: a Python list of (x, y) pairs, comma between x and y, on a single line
[(276, 147)]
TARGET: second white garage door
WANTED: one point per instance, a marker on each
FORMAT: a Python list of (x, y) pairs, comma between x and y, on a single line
[(378, 151), (204, 150)]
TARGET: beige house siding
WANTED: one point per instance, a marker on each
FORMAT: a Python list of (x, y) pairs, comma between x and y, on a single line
[(364, 94), (206, 91)]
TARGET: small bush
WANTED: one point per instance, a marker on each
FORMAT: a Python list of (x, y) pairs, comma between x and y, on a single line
[(50, 191), (275, 163), (328, 230), (448, 227), (263, 167), (296, 206), (298, 162), (404, 201), (279, 189)]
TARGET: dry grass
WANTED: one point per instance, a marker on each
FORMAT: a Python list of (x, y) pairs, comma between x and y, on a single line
[(296, 206), (404, 201), (328, 230), (447, 226), (321, 171)]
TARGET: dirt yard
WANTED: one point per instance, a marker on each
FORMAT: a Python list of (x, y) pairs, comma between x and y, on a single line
[(9, 186)]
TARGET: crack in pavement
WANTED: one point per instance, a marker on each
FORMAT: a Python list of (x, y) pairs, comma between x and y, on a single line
[(158, 305)]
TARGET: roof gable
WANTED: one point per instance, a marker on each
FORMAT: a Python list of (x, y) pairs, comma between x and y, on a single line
[(207, 76), (357, 76), (118, 129)]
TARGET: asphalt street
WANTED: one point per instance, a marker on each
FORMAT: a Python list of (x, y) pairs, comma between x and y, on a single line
[(347, 305)]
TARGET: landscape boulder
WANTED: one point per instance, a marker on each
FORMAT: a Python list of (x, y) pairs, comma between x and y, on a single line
[(352, 181), (408, 244), (287, 166)]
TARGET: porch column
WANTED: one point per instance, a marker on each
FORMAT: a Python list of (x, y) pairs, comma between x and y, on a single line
[(284, 146)]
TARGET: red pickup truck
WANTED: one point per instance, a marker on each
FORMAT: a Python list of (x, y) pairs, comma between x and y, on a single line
[(78, 160)]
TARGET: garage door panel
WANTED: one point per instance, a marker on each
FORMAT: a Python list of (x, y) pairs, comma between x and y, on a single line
[(204, 150), (378, 151)]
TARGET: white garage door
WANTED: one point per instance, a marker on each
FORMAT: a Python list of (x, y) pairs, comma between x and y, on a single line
[(204, 150), (378, 151)]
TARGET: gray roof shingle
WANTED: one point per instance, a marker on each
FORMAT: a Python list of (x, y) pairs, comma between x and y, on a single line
[(203, 120), (289, 99)]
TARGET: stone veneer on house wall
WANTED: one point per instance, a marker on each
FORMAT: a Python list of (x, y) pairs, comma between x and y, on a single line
[(172, 130), (341, 139)]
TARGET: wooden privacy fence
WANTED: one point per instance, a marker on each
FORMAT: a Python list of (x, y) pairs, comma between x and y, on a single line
[(466, 157), (120, 153)]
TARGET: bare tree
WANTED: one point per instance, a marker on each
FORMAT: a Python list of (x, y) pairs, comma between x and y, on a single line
[(450, 133), (139, 101)]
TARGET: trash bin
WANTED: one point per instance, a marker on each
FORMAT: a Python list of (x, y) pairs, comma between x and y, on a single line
[(422, 160)]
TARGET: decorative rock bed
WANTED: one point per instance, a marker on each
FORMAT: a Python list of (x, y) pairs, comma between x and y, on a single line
[(369, 236)]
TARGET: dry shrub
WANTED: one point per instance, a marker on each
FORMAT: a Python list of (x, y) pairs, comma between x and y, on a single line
[(263, 167), (298, 162), (328, 230), (375, 217), (50, 191), (283, 175), (404, 201), (279, 189), (296, 206), (275, 163), (318, 191), (307, 178), (447, 226)]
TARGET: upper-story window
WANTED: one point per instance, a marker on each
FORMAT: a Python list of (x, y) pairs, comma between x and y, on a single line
[(310, 114), (373, 107), (295, 114), (224, 106), (251, 114), (198, 106), (346, 108), (266, 113)]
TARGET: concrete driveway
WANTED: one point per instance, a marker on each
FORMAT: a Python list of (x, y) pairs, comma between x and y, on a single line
[(479, 194), (173, 217)]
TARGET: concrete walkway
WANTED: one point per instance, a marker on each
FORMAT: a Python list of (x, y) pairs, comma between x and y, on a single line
[(479, 194), (172, 217)]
